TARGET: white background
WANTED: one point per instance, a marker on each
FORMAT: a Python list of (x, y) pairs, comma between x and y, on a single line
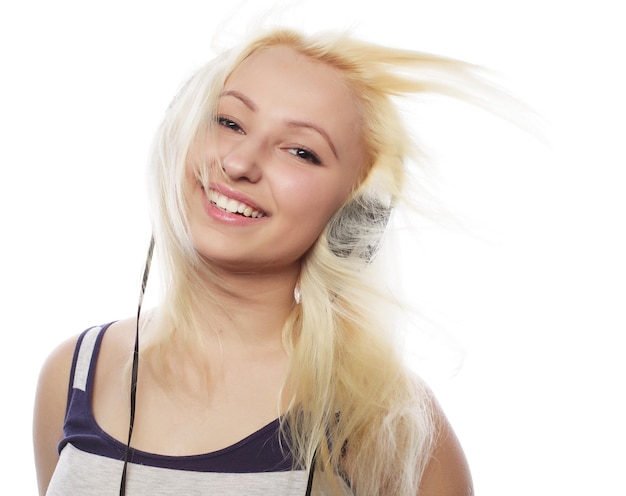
[(532, 292)]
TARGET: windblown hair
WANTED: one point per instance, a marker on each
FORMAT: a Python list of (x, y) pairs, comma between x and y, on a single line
[(354, 402)]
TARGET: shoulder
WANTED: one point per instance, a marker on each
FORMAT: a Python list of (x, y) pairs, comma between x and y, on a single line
[(49, 411), (447, 472), (52, 395), (54, 375)]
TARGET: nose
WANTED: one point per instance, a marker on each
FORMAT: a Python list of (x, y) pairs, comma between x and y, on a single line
[(241, 160)]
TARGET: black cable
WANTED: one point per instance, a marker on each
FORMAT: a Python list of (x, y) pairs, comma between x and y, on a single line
[(135, 369), (309, 483)]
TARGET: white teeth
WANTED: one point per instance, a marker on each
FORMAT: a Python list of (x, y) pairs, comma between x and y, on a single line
[(233, 206), (221, 202)]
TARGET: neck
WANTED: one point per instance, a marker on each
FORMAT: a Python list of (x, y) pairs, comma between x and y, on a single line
[(249, 307)]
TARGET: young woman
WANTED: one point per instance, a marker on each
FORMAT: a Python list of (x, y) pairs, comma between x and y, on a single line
[(269, 366)]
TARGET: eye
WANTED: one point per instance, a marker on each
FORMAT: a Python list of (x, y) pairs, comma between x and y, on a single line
[(228, 124), (306, 155)]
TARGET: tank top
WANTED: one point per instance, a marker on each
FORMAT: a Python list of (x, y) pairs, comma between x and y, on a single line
[(90, 461)]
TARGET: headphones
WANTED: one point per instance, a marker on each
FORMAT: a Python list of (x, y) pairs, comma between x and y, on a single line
[(358, 227)]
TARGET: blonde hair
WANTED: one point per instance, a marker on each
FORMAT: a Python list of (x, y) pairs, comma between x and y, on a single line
[(354, 401)]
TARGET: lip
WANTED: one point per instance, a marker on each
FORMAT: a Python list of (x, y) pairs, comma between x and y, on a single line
[(236, 195), (226, 217)]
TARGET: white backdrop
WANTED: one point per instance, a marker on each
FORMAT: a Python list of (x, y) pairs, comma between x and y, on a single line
[(533, 293)]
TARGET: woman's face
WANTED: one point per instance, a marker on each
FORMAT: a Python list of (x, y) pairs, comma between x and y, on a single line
[(288, 137)]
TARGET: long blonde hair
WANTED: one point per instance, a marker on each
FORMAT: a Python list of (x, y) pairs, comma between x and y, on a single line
[(354, 402)]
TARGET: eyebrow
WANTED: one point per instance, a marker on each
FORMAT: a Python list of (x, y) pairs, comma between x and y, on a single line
[(246, 101), (291, 123)]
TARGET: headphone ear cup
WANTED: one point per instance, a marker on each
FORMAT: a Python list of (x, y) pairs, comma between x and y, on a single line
[(357, 229)]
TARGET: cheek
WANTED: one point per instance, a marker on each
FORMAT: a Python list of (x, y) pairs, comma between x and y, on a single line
[(310, 207), (319, 196)]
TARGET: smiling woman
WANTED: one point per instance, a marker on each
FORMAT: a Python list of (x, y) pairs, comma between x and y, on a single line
[(268, 367)]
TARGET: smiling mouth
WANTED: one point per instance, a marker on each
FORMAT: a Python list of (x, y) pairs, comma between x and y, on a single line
[(233, 206)]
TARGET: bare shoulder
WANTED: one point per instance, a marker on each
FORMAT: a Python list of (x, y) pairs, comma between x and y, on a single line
[(52, 394), (447, 473), (49, 411), (54, 376)]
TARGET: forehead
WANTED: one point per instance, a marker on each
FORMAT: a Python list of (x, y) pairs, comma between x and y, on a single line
[(288, 84), (284, 62)]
